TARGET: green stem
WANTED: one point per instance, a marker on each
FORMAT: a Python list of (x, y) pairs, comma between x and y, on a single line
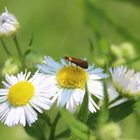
[(116, 99), (31, 40), (52, 133), (46, 118), (83, 113), (66, 133), (5, 47), (17, 46)]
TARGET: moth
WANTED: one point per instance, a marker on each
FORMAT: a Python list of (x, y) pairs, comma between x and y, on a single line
[(79, 62)]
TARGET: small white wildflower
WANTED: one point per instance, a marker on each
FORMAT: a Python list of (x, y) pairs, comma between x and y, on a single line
[(113, 94), (126, 81), (67, 83), (22, 97), (8, 24)]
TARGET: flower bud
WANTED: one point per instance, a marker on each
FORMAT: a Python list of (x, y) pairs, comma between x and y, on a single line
[(8, 24), (100, 61), (125, 50), (11, 66), (110, 131), (128, 50), (116, 51), (118, 62), (32, 58)]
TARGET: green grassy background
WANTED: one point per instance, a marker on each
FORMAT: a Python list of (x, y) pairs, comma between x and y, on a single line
[(63, 28)]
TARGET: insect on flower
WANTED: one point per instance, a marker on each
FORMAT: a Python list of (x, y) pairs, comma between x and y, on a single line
[(79, 62)]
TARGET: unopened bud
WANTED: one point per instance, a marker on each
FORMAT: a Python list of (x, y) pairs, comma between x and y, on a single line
[(11, 66), (119, 61), (32, 58), (8, 24), (116, 51), (128, 50), (110, 131), (100, 61)]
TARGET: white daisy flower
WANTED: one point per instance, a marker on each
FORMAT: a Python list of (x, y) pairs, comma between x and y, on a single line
[(22, 97), (113, 95), (8, 24), (126, 81), (67, 82)]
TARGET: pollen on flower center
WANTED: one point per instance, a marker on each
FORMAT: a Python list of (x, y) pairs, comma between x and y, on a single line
[(20, 93), (72, 77)]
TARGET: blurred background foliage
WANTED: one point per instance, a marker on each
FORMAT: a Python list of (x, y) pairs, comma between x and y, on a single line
[(94, 29)]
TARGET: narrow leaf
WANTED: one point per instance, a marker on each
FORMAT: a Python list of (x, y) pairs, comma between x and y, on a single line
[(5, 47), (83, 113), (36, 130), (116, 113), (79, 129), (63, 134), (31, 40), (121, 111)]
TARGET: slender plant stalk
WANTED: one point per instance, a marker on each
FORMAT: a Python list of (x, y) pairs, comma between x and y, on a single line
[(115, 100), (83, 113), (5, 47), (17, 46), (64, 134), (53, 128), (46, 118), (31, 40)]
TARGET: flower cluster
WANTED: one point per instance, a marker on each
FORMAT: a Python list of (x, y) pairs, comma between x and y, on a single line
[(60, 82), (24, 95)]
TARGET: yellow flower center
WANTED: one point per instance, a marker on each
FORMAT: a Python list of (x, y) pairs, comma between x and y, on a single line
[(72, 77), (20, 93)]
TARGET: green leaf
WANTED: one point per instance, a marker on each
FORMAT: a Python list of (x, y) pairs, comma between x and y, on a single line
[(5, 47), (79, 129), (63, 134), (121, 111), (137, 105), (36, 130), (53, 128), (46, 118), (116, 113), (83, 113), (97, 119), (31, 40), (92, 121)]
